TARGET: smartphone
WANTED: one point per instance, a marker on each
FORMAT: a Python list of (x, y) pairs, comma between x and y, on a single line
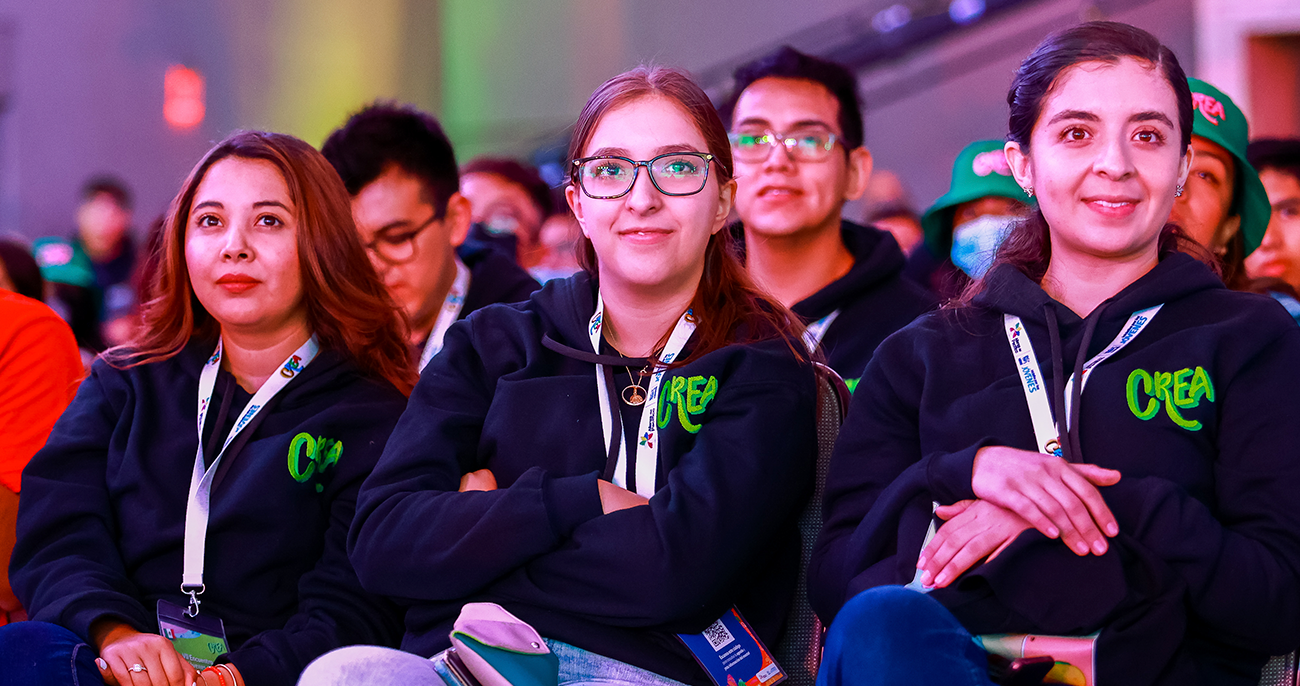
[(1024, 671)]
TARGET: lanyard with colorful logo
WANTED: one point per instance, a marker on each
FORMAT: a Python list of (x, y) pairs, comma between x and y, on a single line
[(816, 331), (1031, 377), (448, 315), (647, 451), (196, 510)]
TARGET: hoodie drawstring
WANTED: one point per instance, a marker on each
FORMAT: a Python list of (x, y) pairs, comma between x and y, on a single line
[(1068, 430)]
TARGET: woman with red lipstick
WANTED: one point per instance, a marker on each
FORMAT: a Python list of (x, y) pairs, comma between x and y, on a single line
[(618, 460), (192, 505), (1104, 428)]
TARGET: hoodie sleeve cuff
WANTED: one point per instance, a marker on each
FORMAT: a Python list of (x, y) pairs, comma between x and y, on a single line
[(949, 474), (570, 501), (79, 618), (258, 667)]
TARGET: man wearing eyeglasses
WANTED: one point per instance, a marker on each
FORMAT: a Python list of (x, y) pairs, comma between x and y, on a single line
[(400, 169), (796, 136)]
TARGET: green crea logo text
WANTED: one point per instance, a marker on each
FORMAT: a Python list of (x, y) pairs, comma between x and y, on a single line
[(312, 456), (1183, 389), (691, 395)]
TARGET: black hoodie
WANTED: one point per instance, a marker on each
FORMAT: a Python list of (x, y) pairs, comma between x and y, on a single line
[(102, 519), (494, 278), (514, 391), (1203, 581), (873, 299)]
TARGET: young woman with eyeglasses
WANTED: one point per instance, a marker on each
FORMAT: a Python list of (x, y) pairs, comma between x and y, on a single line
[(631, 446), (211, 467), (1107, 432)]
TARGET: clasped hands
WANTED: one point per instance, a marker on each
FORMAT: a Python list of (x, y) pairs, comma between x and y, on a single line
[(1018, 490)]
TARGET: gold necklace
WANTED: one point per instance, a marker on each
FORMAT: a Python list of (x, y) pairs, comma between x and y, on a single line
[(634, 394)]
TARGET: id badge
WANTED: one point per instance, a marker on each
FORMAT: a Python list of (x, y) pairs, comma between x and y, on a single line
[(731, 653), (200, 640)]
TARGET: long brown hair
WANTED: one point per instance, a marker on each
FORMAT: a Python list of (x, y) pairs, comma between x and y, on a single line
[(729, 308), (347, 306), (1029, 247)]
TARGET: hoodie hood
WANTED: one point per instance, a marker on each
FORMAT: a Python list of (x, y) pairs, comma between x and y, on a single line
[(1008, 290), (1176, 276), (876, 259), (494, 277), (566, 306)]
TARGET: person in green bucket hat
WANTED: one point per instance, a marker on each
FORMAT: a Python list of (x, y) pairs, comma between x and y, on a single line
[(1223, 205), (965, 225)]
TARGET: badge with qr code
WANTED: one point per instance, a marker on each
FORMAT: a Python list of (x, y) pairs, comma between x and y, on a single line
[(731, 653)]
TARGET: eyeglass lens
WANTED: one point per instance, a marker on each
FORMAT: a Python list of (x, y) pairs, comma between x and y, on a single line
[(398, 246), (808, 146), (676, 174)]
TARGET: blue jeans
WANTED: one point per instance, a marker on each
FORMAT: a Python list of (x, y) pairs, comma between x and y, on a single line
[(42, 653), (376, 666), (893, 635)]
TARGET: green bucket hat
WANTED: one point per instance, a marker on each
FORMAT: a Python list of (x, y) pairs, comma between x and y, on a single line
[(1217, 119), (63, 261), (981, 170)]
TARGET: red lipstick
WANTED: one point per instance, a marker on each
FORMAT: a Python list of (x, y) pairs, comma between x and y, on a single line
[(235, 283)]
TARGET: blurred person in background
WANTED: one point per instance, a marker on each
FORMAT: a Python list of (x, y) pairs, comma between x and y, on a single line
[(559, 235), (102, 243), (19, 272), (70, 291), (965, 226), (1278, 255), (796, 135), (887, 205), (508, 203), (39, 371), (1223, 205), (400, 169)]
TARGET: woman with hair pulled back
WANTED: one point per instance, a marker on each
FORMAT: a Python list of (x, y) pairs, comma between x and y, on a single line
[(1098, 438), (622, 457), (161, 529)]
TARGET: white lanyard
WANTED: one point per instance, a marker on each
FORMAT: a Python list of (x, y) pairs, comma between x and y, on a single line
[(196, 510), (448, 315), (1031, 376), (1031, 379), (816, 331), (647, 450)]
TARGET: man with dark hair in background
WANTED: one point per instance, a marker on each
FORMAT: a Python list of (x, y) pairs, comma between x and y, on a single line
[(92, 271), (1278, 255), (400, 169), (796, 132)]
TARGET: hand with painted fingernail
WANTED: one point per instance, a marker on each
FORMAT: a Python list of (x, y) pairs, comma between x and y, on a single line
[(128, 657), (975, 531), (1058, 498)]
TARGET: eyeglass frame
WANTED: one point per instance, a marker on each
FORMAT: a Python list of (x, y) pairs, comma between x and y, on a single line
[(636, 171), (780, 140), (415, 233)]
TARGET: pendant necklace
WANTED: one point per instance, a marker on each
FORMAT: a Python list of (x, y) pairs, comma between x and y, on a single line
[(634, 394)]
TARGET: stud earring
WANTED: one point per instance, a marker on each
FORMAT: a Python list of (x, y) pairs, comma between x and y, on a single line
[(1178, 192), (1029, 191)]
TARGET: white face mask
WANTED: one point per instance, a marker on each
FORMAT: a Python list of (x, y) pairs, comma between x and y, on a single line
[(975, 243)]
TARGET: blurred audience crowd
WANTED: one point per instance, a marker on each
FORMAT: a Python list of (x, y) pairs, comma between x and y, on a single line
[(733, 275)]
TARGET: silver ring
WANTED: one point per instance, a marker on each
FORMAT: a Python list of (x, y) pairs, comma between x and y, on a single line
[(137, 668)]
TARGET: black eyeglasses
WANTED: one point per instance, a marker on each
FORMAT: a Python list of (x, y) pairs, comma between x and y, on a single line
[(674, 173), (804, 145), (398, 247)]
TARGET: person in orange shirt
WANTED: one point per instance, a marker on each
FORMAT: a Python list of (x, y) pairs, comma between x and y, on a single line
[(40, 369)]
